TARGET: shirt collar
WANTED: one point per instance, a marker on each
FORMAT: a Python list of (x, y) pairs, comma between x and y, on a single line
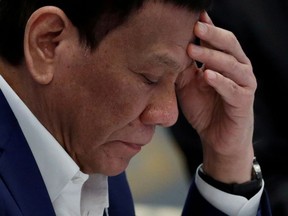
[(56, 166)]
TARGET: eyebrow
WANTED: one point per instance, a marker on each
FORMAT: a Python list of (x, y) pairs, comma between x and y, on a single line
[(164, 59)]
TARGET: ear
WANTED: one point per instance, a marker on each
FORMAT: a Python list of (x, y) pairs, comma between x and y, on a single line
[(45, 30)]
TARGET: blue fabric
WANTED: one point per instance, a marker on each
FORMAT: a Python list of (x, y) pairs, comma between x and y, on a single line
[(22, 189), (121, 203), (23, 193)]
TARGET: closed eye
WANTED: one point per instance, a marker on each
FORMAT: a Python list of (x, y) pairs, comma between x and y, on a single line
[(148, 80)]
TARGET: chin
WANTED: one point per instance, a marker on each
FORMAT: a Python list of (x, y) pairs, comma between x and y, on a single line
[(116, 171), (114, 168), (109, 166)]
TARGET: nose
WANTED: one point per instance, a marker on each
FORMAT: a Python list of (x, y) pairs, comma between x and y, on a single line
[(162, 109)]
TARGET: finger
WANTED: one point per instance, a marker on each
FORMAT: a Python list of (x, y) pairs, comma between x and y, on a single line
[(220, 39), (223, 63), (204, 17), (187, 75), (229, 90)]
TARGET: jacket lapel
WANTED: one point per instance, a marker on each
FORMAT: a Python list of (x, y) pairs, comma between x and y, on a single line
[(18, 169)]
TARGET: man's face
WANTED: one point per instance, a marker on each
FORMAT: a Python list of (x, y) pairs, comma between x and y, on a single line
[(112, 99)]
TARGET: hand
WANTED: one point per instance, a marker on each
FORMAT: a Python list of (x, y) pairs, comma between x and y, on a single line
[(217, 100)]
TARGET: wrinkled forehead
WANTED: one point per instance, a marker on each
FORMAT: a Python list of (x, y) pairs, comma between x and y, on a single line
[(165, 22), (160, 33)]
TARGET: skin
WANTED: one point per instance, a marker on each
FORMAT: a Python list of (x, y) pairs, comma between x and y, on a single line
[(103, 106)]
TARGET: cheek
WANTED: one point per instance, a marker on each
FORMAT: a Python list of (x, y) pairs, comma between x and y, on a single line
[(110, 113), (123, 100), (107, 97), (119, 91), (111, 102)]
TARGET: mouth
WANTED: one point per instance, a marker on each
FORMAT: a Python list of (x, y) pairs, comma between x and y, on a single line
[(133, 146)]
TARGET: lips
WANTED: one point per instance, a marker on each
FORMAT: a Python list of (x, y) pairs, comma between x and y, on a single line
[(136, 143), (131, 143), (136, 147)]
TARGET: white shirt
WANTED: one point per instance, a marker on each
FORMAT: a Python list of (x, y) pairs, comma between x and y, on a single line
[(230, 204), (64, 180), (72, 192)]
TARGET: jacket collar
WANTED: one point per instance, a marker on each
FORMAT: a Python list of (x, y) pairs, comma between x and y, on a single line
[(18, 169)]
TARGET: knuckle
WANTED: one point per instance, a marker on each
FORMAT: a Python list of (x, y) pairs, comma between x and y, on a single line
[(233, 64), (234, 88), (231, 38), (251, 79), (247, 69)]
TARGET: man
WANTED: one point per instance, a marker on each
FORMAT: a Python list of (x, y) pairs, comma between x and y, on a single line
[(88, 83), (261, 29)]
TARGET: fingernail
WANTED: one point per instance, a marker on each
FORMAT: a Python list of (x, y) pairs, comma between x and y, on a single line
[(211, 75), (202, 27)]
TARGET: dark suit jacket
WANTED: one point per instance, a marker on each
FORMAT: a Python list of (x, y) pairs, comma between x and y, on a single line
[(22, 189), (23, 193)]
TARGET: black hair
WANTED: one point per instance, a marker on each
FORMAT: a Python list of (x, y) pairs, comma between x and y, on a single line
[(94, 19)]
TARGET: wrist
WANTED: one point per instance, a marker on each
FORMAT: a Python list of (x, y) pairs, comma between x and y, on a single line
[(247, 189), (229, 169)]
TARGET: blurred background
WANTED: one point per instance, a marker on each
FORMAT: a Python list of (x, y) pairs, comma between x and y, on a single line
[(157, 176)]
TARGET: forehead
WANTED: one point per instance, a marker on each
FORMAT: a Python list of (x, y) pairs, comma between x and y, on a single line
[(160, 32), (157, 17)]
